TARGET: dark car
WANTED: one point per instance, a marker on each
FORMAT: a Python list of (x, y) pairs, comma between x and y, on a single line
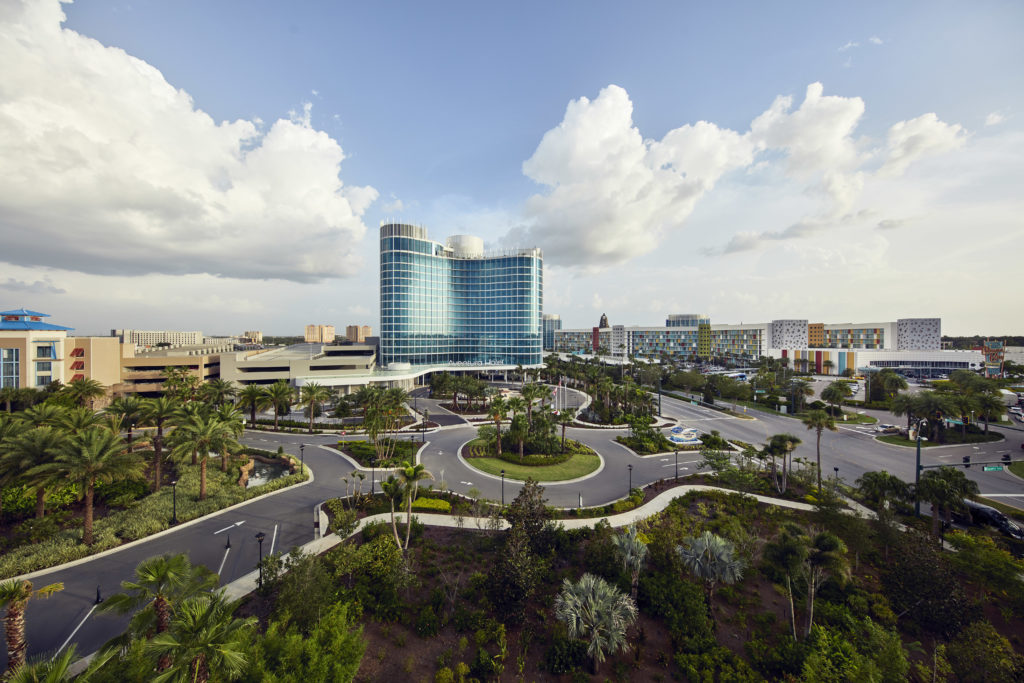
[(976, 513)]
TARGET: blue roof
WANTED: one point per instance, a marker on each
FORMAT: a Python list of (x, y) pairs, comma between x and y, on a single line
[(22, 319), (22, 311)]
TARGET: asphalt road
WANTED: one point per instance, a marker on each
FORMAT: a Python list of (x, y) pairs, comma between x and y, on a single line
[(287, 517)]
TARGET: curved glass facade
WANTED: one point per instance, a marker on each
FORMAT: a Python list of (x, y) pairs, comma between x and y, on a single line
[(449, 304)]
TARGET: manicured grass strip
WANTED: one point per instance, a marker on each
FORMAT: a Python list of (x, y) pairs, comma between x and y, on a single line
[(897, 440), (1017, 468), (576, 466)]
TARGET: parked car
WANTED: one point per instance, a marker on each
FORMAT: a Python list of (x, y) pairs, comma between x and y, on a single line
[(976, 513), (887, 429)]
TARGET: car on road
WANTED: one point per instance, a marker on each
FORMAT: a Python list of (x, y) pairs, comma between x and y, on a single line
[(887, 429), (976, 513)]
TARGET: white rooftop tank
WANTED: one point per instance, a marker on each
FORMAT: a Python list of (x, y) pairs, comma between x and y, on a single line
[(465, 246)]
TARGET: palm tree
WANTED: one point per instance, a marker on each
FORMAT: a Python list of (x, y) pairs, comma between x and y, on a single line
[(9, 429), (218, 391), (835, 393), (281, 396), (633, 552), (410, 476), (160, 583), (78, 419), (254, 398), (234, 425), (312, 396), (84, 390), (781, 445), (990, 405), (158, 412), (199, 435), (14, 597), (878, 488), (129, 409), (204, 636), (27, 451), (787, 553), (712, 559), (44, 415), (497, 412), (801, 389), (819, 421), (394, 491), (597, 613), (945, 488), (932, 405), (8, 395), (826, 556), (903, 404), (893, 383), (95, 455), (564, 419), (531, 392)]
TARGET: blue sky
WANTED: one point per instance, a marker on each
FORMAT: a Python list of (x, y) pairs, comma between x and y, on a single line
[(471, 117)]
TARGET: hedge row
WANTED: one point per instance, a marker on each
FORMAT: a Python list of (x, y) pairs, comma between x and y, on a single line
[(432, 505)]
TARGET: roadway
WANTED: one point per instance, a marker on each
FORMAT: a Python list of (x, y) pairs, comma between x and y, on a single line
[(287, 516)]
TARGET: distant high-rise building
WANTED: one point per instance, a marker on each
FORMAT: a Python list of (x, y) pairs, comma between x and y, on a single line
[(452, 304), (148, 338), (550, 322), (254, 336), (357, 334), (319, 334)]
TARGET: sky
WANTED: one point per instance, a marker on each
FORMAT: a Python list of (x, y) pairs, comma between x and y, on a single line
[(225, 166)]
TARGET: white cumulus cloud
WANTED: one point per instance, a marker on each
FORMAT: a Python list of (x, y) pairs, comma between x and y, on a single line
[(994, 119), (107, 168), (913, 139)]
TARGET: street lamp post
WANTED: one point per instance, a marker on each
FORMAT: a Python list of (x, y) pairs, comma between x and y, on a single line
[(259, 539), (630, 467), (302, 456), (836, 487), (503, 488), (659, 393), (917, 467), (174, 501), (677, 462)]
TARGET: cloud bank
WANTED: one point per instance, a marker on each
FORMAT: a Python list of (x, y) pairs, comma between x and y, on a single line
[(611, 195), (117, 172)]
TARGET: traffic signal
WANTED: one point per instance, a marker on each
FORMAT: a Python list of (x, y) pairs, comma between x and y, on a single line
[(1006, 457), (967, 461)]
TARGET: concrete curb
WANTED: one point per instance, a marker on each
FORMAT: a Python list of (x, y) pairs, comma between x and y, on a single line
[(929, 449), (165, 532)]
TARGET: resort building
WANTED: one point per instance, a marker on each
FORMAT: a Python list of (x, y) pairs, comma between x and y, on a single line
[(549, 323), (32, 351), (319, 334), (149, 338), (452, 304)]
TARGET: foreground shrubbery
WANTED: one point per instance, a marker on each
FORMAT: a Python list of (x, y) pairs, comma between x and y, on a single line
[(365, 454)]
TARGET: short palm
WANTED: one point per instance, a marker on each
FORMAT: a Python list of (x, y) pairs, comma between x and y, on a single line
[(712, 559), (204, 637), (597, 613)]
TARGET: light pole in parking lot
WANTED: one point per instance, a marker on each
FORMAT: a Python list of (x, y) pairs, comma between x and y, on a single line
[(630, 490), (922, 423)]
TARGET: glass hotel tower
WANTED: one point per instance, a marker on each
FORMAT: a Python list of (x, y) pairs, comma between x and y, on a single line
[(451, 304)]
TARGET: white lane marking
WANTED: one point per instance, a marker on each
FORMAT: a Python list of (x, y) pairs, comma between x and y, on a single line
[(467, 483), (80, 624), (273, 540), (224, 559), (1002, 495), (227, 528)]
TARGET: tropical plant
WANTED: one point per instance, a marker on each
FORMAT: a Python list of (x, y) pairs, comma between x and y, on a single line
[(826, 557), (990, 405), (633, 551), (819, 421), (218, 391), (312, 396), (44, 415), (597, 613), (878, 488), (903, 404), (497, 411), (84, 390), (14, 597), (800, 389), (90, 457), (835, 393), (394, 491), (945, 488), (281, 396), (410, 476), (713, 560), (181, 383), (198, 435), (780, 445), (564, 419), (25, 452), (253, 398), (158, 412), (129, 410), (204, 637), (234, 425), (79, 418)]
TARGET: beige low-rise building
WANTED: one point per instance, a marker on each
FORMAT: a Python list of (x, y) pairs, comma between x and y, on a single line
[(346, 366)]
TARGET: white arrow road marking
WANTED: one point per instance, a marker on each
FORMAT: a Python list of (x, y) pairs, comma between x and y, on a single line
[(229, 527), (467, 483)]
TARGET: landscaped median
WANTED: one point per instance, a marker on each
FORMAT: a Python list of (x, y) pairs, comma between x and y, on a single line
[(144, 517), (952, 439), (577, 461)]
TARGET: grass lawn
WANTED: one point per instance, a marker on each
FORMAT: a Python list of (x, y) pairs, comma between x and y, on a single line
[(897, 440), (855, 419), (1017, 468), (576, 466)]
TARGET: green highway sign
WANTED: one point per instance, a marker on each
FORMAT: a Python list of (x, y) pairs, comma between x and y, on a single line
[(992, 468)]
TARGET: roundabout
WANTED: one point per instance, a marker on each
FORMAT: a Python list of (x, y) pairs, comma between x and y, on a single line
[(577, 466)]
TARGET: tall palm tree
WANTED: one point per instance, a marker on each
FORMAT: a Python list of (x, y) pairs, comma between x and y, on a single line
[(9, 429), (633, 552), (8, 395), (218, 391), (835, 393), (819, 421), (281, 396), (312, 396), (903, 404), (410, 476), (497, 411), (27, 451), (234, 424), (78, 419), (878, 488), (531, 392), (394, 491), (84, 390), (129, 409), (159, 412), (199, 435), (95, 455), (800, 389), (160, 584), (253, 398), (893, 384), (990, 405), (597, 613), (564, 419), (826, 557), (934, 406), (204, 636), (14, 597), (712, 559), (787, 553)]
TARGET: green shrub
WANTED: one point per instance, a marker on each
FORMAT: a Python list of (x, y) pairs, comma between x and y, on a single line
[(564, 655), (717, 664), (426, 622), (432, 505), (444, 675)]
